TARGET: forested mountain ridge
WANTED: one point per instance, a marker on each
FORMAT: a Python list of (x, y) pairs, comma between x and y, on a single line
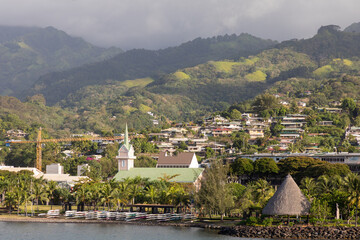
[(26, 53), (355, 27), (215, 85), (140, 63), (329, 42), (186, 94), (190, 93)]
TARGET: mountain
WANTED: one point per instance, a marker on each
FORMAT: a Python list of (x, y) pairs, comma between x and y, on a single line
[(140, 63), (355, 28), (8, 33), (328, 43), (189, 93), (139, 86), (26, 53)]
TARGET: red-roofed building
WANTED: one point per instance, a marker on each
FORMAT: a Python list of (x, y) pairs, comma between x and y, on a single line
[(221, 132)]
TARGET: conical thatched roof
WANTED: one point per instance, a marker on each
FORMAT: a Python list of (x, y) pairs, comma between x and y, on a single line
[(288, 200)]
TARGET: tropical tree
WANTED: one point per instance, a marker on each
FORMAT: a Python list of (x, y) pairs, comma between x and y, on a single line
[(308, 185), (50, 189), (39, 192), (214, 194), (353, 187), (151, 194)]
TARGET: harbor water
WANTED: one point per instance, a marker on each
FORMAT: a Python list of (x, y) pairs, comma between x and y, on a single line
[(94, 231)]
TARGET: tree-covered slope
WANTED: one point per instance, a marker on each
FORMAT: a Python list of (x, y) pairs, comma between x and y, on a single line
[(26, 53), (190, 93), (336, 80), (140, 63), (328, 43)]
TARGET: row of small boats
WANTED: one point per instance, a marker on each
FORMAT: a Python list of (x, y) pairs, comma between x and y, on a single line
[(127, 216)]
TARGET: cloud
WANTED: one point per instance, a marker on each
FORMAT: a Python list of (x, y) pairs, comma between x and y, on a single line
[(162, 23)]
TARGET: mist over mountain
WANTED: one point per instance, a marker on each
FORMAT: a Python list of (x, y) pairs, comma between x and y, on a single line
[(194, 79), (140, 63), (355, 27), (26, 53)]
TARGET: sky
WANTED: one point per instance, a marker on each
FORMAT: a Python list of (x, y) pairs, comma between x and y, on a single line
[(154, 24)]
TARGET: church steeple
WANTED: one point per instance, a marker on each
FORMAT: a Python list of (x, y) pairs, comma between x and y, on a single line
[(126, 152), (126, 137)]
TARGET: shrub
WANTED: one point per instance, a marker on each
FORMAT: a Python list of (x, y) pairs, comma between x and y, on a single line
[(252, 221), (267, 222)]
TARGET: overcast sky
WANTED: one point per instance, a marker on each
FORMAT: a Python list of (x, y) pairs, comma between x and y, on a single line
[(154, 24)]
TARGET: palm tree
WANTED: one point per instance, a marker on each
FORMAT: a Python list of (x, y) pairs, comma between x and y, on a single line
[(262, 192), (50, 189), (353, 187), (26, 198), (4, 187), (324, 185), (39, 193), (80, 195), (10, 200), (151, 194), (308, 185), (120, 196), (18, 198), (181, 198), (105, 193)]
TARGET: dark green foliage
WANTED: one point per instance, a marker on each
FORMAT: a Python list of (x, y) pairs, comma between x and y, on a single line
[(265, 102), (301, 167), (142, 145), (329, 42), (142, 63), (27, 53), (265, 167), (242, 166), (209, 152), (145, 162), (252, 221), (214, 195), (21, 155), (325, 168)]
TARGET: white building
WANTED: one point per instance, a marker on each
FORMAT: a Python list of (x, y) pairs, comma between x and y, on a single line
[(126, 155)]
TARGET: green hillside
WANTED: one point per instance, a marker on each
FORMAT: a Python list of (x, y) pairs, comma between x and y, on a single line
[(140, 63), (328, 43), (101, 97), (336, 80), (189, 93), (28, 53)]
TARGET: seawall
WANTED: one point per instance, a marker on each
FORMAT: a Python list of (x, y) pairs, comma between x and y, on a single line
[(308, 232)]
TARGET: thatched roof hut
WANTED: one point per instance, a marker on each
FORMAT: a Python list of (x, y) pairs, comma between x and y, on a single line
[(288, 200)]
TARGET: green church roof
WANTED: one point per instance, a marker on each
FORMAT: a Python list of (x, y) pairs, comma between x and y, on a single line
[(186, 175)]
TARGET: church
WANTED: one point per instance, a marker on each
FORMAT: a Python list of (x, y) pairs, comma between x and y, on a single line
[(184, 165)]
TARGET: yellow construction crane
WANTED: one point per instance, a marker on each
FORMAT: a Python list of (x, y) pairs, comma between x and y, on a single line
[(39, 141)]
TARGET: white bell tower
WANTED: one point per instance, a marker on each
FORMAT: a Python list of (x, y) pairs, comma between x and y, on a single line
[(126, 155)]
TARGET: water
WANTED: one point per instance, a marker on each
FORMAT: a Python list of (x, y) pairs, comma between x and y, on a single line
[(69, 231)]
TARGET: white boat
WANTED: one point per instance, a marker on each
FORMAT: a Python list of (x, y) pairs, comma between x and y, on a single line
[(70, 214), (53, 213), (111, 216), (120, 216), (80, 214)]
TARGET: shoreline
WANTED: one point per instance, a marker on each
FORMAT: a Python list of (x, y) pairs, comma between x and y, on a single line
[(84, 221), (280, 232)]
